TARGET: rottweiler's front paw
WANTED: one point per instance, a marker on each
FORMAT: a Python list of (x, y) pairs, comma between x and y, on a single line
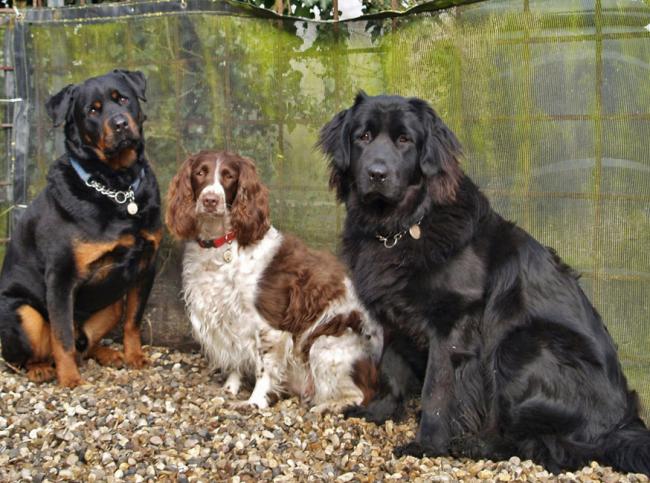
[(106, 356), (41, 372), (417, 449), (136, 360)]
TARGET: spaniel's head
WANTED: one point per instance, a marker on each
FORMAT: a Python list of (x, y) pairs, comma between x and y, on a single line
[(217, 190)]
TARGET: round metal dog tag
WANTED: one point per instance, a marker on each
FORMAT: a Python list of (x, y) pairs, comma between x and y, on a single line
[(415, 232), (132, 208), (227, 256)]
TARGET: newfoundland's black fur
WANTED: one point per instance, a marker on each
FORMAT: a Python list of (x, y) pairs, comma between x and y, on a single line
[(519, 361)]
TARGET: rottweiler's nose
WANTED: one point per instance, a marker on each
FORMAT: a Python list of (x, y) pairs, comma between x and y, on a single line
[(210, 201), (120, 123), (377, 173)]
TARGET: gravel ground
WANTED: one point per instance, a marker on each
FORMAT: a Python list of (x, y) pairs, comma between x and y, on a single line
[(172, 422)]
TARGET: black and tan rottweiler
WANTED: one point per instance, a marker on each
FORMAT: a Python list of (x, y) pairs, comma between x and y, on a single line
[(82, 257)]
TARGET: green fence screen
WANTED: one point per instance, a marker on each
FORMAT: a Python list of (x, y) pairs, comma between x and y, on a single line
[(551, 99)]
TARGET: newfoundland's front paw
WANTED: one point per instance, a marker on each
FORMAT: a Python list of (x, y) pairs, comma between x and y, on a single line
[(417, 449), (378, 411)]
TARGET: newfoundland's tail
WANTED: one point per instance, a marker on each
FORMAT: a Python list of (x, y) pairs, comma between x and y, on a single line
[(628, 449)]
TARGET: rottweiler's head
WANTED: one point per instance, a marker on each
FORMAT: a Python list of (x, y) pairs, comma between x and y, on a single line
[(102, 116)]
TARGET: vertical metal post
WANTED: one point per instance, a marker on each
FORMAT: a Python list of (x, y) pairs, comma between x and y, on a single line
[(598, 159), (20, 134)]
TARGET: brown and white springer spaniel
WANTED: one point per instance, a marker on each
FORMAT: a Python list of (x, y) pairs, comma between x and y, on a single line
[(262, 303)]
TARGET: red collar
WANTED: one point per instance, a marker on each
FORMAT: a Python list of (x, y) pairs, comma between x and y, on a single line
[(217, 242)]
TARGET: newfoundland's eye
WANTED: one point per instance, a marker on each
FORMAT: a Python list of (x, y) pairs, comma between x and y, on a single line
[(403, 139), (366, 136)]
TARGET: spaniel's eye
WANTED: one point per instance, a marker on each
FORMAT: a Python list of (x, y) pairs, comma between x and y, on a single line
[(366, 136), (199, 173), (123, 100), (227, 175), (403, 139)]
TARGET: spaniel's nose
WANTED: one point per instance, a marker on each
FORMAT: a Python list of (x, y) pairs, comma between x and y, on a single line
[(210, 201)]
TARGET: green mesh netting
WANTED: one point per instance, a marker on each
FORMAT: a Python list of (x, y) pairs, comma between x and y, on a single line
[(551, 100)]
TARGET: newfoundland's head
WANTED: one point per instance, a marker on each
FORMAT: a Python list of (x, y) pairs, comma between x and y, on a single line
[(391, 158)]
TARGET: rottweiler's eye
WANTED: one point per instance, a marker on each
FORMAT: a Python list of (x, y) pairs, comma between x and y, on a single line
[(94, 109), (123, 100), (403, 139), (366, 136)]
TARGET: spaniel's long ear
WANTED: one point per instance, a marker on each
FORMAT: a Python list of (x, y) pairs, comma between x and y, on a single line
[(334, 141), (440, 153), (249, 213), (180, 216)]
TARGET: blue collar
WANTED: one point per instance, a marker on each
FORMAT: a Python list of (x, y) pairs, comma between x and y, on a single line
[(85, 175)]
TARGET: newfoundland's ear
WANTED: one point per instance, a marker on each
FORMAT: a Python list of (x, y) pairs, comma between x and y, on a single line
[(334, 141), (59, 104), (135, 79), (440, 153)]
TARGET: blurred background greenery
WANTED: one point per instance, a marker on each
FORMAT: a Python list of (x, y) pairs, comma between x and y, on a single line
[(550, 98)]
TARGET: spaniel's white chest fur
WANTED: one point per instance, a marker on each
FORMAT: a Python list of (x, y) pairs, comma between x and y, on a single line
[(220, 298)]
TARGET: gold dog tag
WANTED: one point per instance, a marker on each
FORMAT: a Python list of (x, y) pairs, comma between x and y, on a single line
[(227, 256), (415, 232)]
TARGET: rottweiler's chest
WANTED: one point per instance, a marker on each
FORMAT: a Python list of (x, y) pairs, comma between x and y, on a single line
[(107, 268)]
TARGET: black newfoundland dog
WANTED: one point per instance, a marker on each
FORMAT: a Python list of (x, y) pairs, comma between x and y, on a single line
[(515, 359)]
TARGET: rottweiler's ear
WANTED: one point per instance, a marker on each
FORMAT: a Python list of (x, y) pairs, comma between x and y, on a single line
[(440, 153), (136, 80), (59, 104)]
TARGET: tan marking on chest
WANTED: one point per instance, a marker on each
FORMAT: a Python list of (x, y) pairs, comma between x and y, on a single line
[(124, 159), (88, 253), (153, 236)]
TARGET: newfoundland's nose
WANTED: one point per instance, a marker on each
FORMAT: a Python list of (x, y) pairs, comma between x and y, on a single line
[(120, 123), (377, 173), (210, 201)]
